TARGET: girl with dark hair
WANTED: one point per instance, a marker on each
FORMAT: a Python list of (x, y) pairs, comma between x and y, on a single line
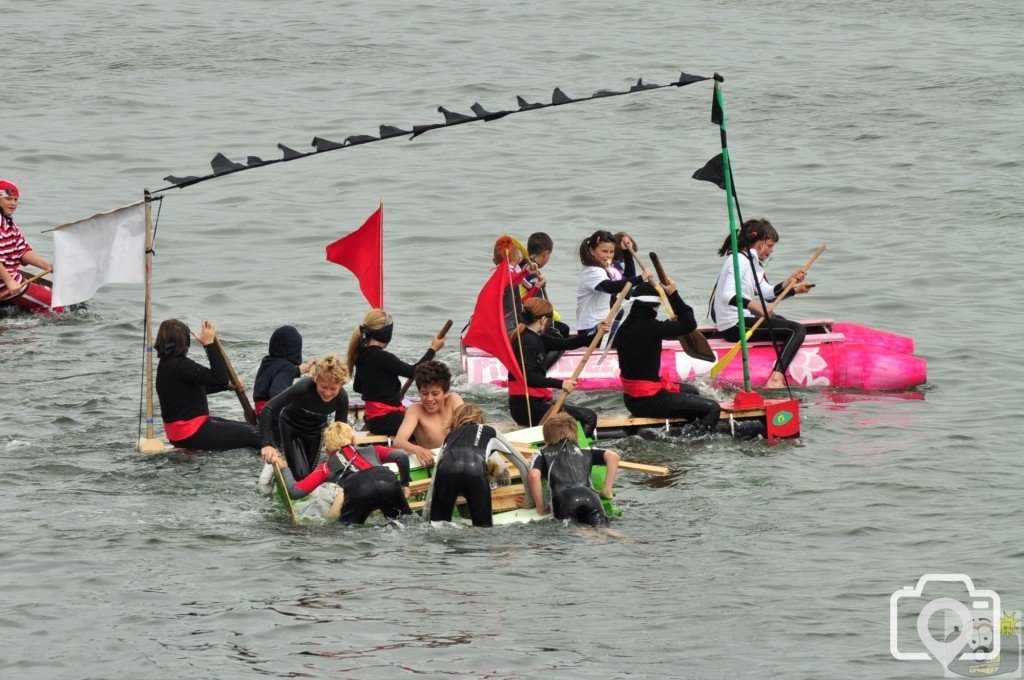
[(600, 282), (182, 386), (756, 240), (377, 372), (536, 343)]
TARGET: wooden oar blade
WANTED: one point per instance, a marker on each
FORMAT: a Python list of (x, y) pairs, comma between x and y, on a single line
[(696, 346)]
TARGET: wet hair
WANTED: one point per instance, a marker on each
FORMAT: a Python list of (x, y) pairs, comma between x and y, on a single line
[(752, 231), (172, 339), (338, 435), (433, 372), (559, 427), (538, 243), (375, 320), (467, 413), (619, 250), (533, 309), (600, 236), (329, 367)]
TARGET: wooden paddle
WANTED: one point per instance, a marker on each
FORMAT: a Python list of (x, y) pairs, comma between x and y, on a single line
[(236, 384), (590, 350), (693, 343), (283, 490), (26, 282), (444, 331), (731, 354)]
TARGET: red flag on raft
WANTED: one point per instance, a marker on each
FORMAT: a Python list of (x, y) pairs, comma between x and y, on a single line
[(362, 252), (487, 326)]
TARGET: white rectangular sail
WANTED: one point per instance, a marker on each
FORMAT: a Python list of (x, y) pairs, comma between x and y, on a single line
[(106, 248)]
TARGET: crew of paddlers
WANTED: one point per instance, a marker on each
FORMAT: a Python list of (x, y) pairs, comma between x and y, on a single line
[(293, 417)]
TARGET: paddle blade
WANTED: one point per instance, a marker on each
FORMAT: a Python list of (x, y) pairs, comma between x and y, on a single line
[(696, 345), (725, 361)]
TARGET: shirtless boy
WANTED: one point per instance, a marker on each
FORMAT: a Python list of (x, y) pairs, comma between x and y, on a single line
[(426, 423)]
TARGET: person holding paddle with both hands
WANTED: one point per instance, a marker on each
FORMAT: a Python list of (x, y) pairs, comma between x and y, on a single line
[(756, 241)]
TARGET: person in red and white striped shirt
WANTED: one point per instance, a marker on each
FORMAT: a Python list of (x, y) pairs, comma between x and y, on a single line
[(15, 252)]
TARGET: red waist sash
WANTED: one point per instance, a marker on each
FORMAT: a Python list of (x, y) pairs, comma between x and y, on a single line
[(515, 389), (258, 406), (378, 409), (648, 388), (183, 429)]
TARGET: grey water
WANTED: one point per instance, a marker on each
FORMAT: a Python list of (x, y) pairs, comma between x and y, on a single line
[(892, 132)]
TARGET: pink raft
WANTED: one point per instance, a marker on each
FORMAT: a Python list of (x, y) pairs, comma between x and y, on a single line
[(833, 355)]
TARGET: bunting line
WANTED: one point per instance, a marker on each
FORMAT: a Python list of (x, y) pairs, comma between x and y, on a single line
[(221, 165)]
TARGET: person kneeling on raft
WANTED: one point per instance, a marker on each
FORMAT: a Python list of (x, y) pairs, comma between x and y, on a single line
[(567, 468), (468, 454), (279, 367), (377, 372), (638, 343), (182, 386), (294, 420), (365, 483), (536, 343)]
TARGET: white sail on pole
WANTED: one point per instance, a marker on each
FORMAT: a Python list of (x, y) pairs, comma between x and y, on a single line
[(106, 248)]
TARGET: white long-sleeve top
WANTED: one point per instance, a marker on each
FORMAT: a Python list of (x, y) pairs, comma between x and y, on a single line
[(725, 314)]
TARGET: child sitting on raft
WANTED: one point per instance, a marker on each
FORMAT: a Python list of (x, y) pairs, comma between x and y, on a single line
[(599, 281), (468, 454), (364, 483), (280, 366), (182, 386), (756, 241), (14, 252), (566, 468), (377, 372), (528, 403), (426, 423)]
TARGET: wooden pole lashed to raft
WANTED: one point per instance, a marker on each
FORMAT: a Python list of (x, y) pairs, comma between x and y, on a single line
[(149, 444)]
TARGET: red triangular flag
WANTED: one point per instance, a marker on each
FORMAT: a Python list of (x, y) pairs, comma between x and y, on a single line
[(487, 326), (362, 252)]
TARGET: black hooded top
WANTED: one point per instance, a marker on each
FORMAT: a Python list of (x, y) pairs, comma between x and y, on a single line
[(280, 367), (638, 342)]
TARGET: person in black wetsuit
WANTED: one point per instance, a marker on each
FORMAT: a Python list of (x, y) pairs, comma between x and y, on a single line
[(536, 343), (468, 452), (182, 386), (365, 483), (567, 469), (280, 366), (294, 420), (638, 344), (377, 372)]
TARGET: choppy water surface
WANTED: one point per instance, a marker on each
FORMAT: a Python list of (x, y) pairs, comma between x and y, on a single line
[(892, 134)]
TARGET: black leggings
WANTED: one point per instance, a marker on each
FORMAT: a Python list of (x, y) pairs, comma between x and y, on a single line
[(385, 425), (301, 448), (580, 504), (468, 480), (790, 333), (539, 406), (369, 490), (686, 403), (218, 434)]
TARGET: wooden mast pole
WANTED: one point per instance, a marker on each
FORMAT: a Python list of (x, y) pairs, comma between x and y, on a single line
[(149, 444)]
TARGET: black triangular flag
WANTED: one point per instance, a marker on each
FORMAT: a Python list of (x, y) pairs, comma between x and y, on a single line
[(322, 144), (181, 181), (559, 97), (352, 140), (481, 112), (391, 131), (453, 118), (686, 79), (640, 85), (418, 130), (526, 106), (712, 172), (253, 161), (289, 153), (605, 93), (716, 109), (222, 164)]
